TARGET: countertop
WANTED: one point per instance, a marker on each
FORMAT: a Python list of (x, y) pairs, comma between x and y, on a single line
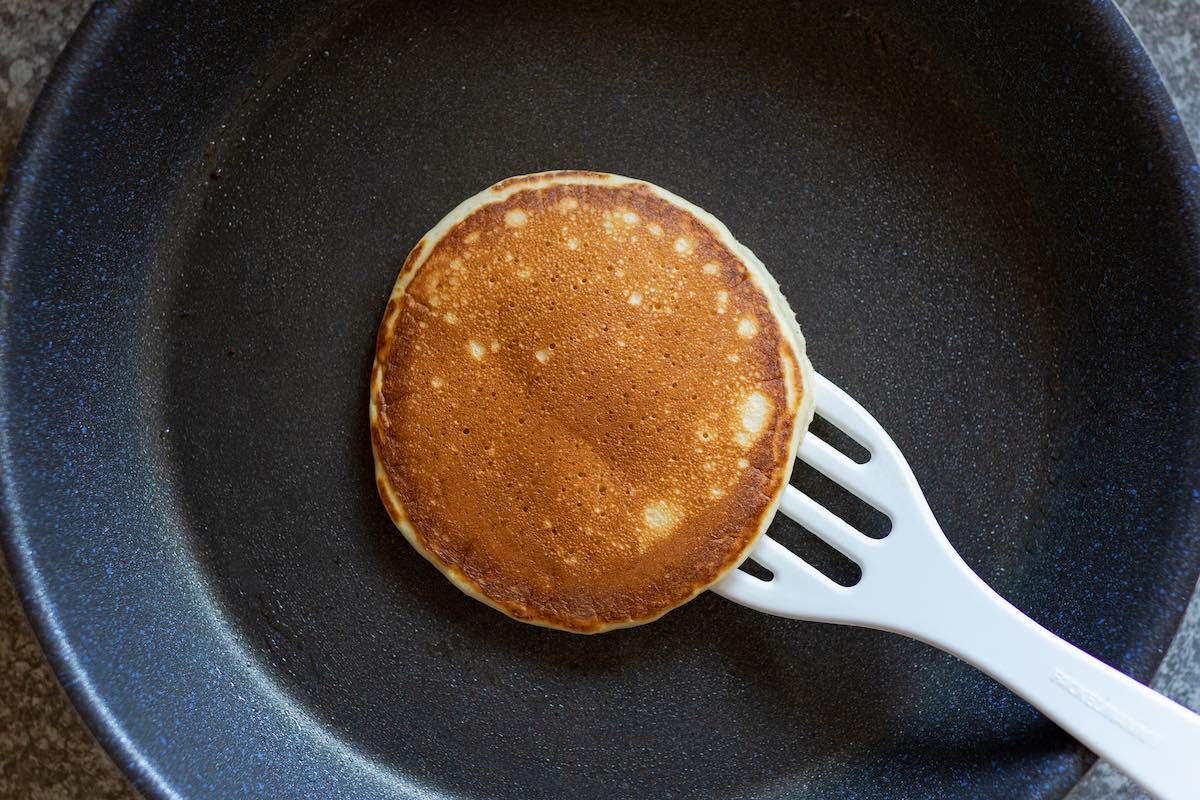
[(46, 753)]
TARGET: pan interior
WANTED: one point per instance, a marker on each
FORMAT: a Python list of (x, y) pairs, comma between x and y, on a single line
[(953, 231)]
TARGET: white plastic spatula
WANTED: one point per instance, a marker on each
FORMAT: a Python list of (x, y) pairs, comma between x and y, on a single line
[(914, 583)]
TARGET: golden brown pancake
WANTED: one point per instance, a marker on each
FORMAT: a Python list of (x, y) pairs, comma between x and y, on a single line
[(586, 399)]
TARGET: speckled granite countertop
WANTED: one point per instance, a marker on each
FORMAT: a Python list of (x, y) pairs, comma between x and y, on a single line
[(45, 751)]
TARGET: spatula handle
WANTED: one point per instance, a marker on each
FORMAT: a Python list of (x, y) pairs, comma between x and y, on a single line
[(1154, 740)]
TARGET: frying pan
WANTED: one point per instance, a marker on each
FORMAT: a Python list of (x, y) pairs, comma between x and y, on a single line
[(983, 214)]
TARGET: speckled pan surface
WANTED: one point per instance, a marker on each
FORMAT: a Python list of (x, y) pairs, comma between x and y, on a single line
[(211, 199)]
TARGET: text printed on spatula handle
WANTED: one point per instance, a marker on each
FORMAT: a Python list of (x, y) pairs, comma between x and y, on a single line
[(1103, 707)]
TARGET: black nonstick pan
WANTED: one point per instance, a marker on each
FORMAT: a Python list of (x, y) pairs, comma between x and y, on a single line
[(983, 214)]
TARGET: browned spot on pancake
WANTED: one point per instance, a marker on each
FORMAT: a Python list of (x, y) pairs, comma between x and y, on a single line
[(572, 445), (394, 511), (413, 256), (386, 326), (379, 433)]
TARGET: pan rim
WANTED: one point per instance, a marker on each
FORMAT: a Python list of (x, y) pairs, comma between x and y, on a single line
[(27, 579), (45, 119)]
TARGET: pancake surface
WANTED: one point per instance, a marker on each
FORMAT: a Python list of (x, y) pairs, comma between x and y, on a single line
[(586, 399)]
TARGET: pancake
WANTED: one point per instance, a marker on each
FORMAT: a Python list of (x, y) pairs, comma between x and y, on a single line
[(586, 399)]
